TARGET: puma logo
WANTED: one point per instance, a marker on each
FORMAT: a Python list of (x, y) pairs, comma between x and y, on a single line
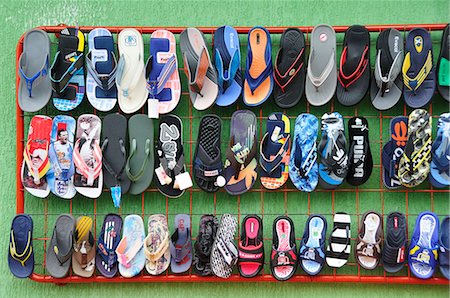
[(400, 134), (358, 154)]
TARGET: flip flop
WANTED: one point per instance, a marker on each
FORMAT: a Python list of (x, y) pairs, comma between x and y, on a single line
[(227, 59), (114, 156), (140, 163), (289, 69), (303, 168), (171, 171), (36, 162), (224, 253), (339, 244), (108, 240), (130, 77), (333, 150), (201, 75), (359, 157), (387, 85), (203, 245), (414, 164), (312, 247), (241, 163), (258, 82), (354, 67), (424, 245), (101, 65), (283, 258), (67, 70), (21, 253), (60, 174), (443, 65), (161, 70), (83, 257), (321, 76), (251, 246), (444, 247), (274, 151), (156, 245), (440, 150), (87, 157), (181, 244), (35, 86), (393, 151), (418, 72), (59, 251), (394, 246), (130, 250), (368, 243), (208, 167)]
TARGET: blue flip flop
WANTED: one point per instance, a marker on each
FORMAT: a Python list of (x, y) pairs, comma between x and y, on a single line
[(312, 247), (21, 253), (444, 248), (440, 150), (303, 169), (393, 151), (423, 249), (227, 59)]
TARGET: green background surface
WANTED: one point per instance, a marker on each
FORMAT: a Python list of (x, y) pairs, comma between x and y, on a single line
[(19, 16)]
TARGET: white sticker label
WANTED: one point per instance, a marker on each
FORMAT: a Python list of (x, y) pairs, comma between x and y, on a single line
[(183, 180), (153, 108), (162, 176)]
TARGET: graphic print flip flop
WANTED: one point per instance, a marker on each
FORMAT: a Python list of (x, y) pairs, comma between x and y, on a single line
[(130, 250), (224, 253), (208, 226), (108, 240), (181, 244), (360, 162), (443, 65), (83, 257), (156, 245), (440, 151), (21, 252)]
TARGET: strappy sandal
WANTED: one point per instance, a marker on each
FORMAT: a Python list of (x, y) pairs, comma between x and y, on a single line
[(156, 245), (368, 244), (207, 232), (339, 245)]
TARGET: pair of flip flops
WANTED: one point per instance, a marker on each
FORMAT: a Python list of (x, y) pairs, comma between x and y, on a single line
[(443, 65), (251, 246), (368, 243), (207, 232)]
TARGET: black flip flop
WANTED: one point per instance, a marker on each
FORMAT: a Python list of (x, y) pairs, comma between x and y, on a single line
[(359, 156), (443, 74), (395, 242), (289, 69), (354, 69)]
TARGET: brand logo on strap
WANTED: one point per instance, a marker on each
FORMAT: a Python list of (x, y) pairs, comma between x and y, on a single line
[(400, 135), (231, 36), (167, 135), (358, 154), (418, 43), (396, 39), (130, 40), (323, 37)]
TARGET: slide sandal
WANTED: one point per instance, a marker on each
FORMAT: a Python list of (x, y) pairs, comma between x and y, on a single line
[(312, 246), (21, 253), (444, 247), (321, 76), (101, 65), (181, 244), (171, 172), (333, 151), (241, 163), (108, 240), (440, 151), (443, 65), (227, 59), (283, 258), (161, 69), (130, 76), (140, 163), (359, 154), (393, 151), (130, 250), (208, 166), (424, 245), (354, 67), (339, 244), (224, 253), (67, 70), (201, 75), (60, 173), (114, 156), (209, 224), (303, 168), (156, 245), (368, 243), (87, 157), (60, 248), (36, 162), (387, 85), (290, 69), (35, 87), (414, 164), (258, 82), (251, 246), (418, 73), (83, 257), (275, 151), (394, 247)]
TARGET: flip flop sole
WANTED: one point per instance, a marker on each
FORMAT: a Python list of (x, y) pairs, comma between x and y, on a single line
[(111, 229), (22, 226)]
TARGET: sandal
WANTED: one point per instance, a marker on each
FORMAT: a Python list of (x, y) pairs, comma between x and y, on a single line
[(156, 245), (368, 244), (440, 161), (203, 245), (224, 253), (444, 248), (251, 247), (283, 258), (339, 244), (394, 246), (312, 247)]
